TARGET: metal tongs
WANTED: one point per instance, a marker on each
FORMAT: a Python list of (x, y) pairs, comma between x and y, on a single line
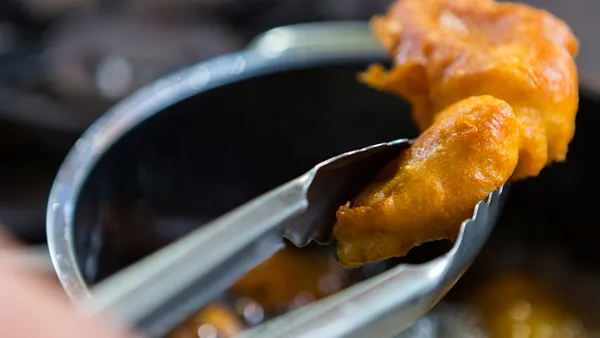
[(161, 290)]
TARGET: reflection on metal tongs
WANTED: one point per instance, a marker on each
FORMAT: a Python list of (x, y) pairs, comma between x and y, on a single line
[(158, 292)]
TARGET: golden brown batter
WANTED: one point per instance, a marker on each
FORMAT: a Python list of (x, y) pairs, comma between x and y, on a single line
[(448, 50), (470, 150)]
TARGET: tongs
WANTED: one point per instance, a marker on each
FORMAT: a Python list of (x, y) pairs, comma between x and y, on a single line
[(158, 292)]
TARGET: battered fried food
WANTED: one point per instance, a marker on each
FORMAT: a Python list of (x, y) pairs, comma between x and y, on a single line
[(290, 276), (448, 50), (470, 150)]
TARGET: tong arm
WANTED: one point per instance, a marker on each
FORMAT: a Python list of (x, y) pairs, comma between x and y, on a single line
[(156, 293)]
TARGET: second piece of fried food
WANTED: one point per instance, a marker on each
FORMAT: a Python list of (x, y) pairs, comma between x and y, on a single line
[(288, 275), (470, 150), (448, 50)]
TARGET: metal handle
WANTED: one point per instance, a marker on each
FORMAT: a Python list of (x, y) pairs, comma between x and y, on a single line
[(155, 294)]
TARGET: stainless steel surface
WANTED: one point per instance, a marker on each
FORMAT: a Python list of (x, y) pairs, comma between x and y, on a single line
[(309, 38), (302, 210), (388, 303)]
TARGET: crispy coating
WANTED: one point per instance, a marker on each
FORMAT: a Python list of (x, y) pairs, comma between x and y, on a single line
[(469, 151), (448, 50)]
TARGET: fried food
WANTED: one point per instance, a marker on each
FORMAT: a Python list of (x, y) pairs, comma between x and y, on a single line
[(518, 306), (448, 50), (290, 276), (470, 150)]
